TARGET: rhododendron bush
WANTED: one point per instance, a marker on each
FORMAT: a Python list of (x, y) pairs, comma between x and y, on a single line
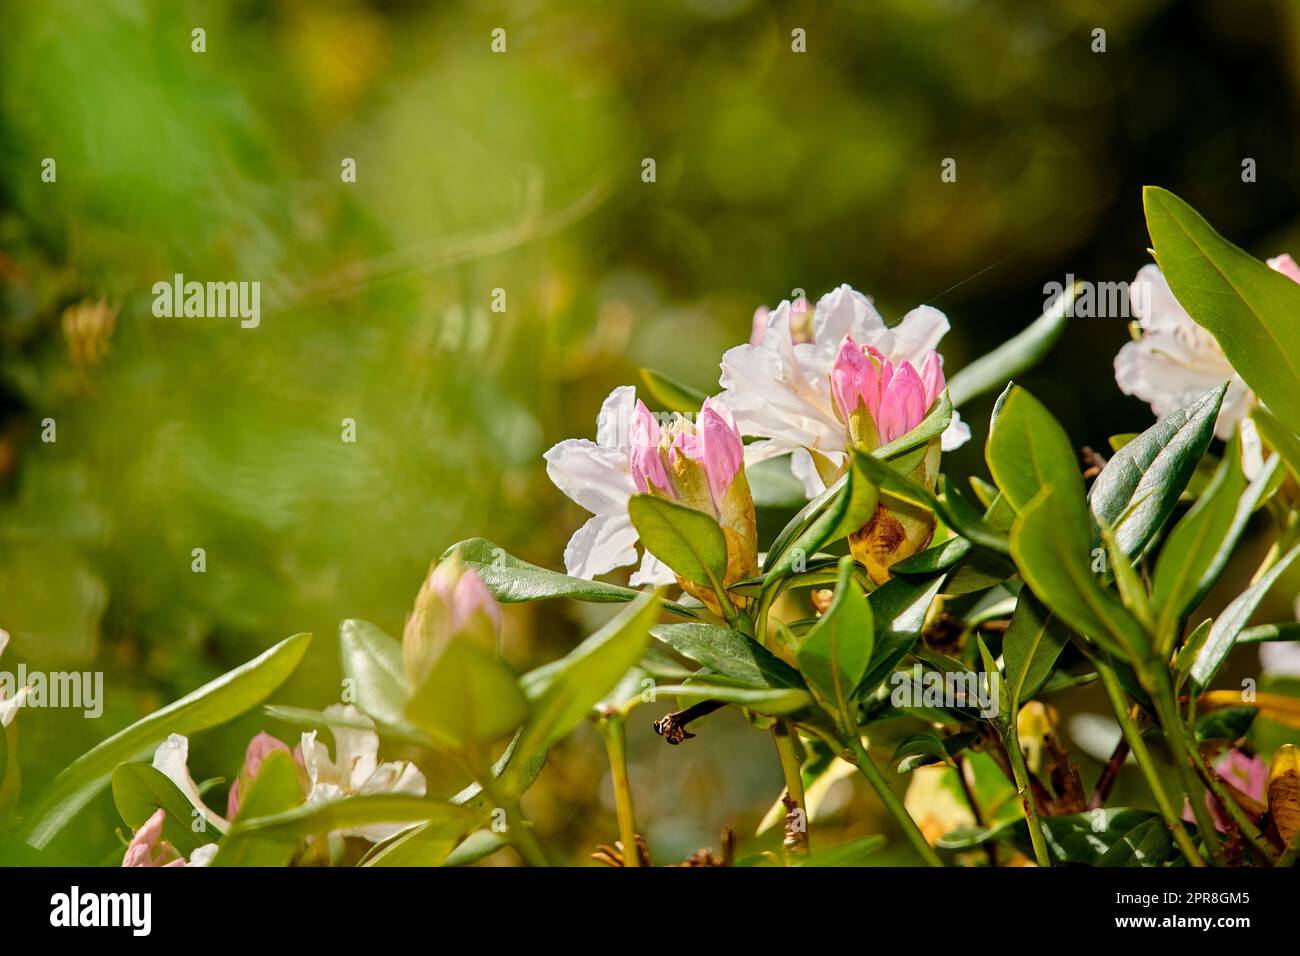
[(909, 625)]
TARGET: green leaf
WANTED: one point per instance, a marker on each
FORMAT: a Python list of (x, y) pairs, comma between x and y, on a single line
[(1234, 617), (774, 700), (835, 654), (562, 693), (1285, 631), (1147, 844), (469, 698), (1249, 308), (358, 811), (214, 703), (513, 581), (898, 608), (1014, 356), (671, 394), (842, 509), (729, 653), (1030, 647), (927, 748), (1052, 554), (852, 853), (372, 662), (276, 789), (1230, 723), (931, 561), (475, 847), (140, 790), (688, 541), (1282, 439), (1198, 549), (1081, 838), (1027, 450), (1139, 487), (424, 845)]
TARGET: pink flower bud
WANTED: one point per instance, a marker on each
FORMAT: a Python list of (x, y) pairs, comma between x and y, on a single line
[(452, 603), (259, 748), (880, 401), (1285, 265), (147, 847)]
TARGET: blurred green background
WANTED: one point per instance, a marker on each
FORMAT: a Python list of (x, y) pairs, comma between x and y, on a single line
[(521, 171)]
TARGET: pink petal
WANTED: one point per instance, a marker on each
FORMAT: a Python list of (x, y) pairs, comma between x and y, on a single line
[(759, 328), (902, 405), (721, 447), (1287, 266), (470, 597), (932, 377), (852, 377), (647, 467), (259, 748)]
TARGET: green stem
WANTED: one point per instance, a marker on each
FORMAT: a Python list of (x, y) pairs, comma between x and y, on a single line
[(1230, 805), (783, 734), (868, 769), (614, 732), (1155, 678), (518, 830), (1011, 741), (1119, 704)]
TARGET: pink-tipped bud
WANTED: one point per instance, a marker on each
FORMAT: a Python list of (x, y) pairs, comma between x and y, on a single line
[(720, 447), (453, 602), (259, 748), (878, 400), (147, 847), (644, 459)]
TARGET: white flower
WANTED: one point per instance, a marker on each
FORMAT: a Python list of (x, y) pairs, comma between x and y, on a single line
[(172, 759), (780, 388), (597, 475), (9, 706), (1281, 658), (1175, 360), (356, 769)]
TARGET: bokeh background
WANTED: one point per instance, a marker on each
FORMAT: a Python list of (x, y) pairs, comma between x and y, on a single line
[(522, 171)]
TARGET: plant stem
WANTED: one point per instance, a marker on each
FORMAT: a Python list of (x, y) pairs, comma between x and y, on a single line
[(1155, 678), (614, 731), (1230, 806), (990, 850), (783, 734), (518, 830), (868, 769), (1119, 704), (1011, 743)]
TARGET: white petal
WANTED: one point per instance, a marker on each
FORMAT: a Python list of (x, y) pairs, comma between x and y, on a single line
[(172, 760), (803, 467), (356, 752), (918, 334), (652, 571), (316, 761), (202, 855), (594, 476), (613, 424), (845, 311), (9, 708), (604, 543), (955, 435), (1252, 450), (1280, 658)]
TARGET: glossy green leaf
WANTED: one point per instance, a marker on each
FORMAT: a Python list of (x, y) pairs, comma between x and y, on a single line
[(898, 609), (512, 581), (561, 694), (276, 790), (1027, 450), (728, 652), (1147, 844), (469, 698), (928, 748), (1282, 439), (930, 428), (1080, 838), (1052, 554), (1030, 647), (214, 703), (1014, 356), (356, 812), (852, 853), (1140, 485), (1198, 549), (671, 394), (372, 663), (688, 541), (834, 656), (838, 512), (1249, 308), (1230, 723), (1233, 619), (765, 700), (1285, 631), (139, 790)]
